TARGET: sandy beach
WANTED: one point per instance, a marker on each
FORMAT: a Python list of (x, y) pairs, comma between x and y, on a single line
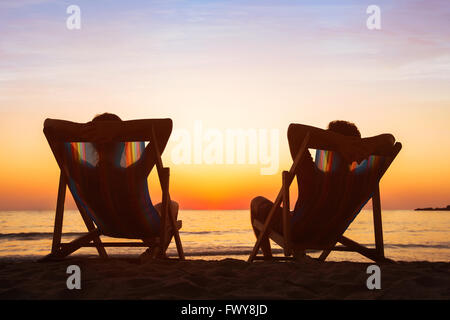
[(128, 278)]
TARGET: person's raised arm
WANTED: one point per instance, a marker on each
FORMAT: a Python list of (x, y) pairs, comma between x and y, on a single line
[(381, 144), (133, 130), (62, 130), (162, 130), (130, 130), (351, 148), (318, 138), (58, 131)]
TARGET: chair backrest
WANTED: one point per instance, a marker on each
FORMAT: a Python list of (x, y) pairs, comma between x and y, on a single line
[(116, 199), (341, 198), (85, 153)]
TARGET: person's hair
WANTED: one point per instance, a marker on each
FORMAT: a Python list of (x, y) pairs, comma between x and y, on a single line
[(106, 117), (344, 127)]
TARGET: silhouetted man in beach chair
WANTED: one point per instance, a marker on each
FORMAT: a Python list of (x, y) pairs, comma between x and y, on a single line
[(105, 164), (332, 191)]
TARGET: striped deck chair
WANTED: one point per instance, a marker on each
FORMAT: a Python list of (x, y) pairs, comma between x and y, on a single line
[(129, 215), (322, 230)]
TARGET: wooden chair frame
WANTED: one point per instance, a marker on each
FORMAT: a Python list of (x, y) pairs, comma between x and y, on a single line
[(290, 248), (92, 237)]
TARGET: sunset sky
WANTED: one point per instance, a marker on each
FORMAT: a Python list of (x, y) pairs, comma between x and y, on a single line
[(229, 64)]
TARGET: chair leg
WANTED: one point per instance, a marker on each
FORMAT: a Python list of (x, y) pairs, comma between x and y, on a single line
[(57, 250), (324, 255), (263, 232), (68, 248), (153, 247), (366, 252), (166, 237), (286, 214), (59, 214), (96, 239), (176, 236), (100, 248), (172, 221), (164, 176), (180, 250), (377, 223)]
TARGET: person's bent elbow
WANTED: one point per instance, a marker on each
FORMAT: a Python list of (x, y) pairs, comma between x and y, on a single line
[(47, 125), (388, 139), (391, 139)]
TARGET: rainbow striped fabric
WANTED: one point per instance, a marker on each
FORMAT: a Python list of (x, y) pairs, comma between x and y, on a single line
[(327, 161), (132, 151), (82, 153), (85, 153)]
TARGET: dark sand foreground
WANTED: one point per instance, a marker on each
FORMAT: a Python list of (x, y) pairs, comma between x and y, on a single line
[(126, 278)]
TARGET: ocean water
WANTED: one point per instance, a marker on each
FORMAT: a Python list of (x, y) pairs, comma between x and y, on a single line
[(408, 235)]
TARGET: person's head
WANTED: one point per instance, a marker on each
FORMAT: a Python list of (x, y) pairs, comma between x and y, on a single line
[(345, 128), (106, 117), (106, 151)]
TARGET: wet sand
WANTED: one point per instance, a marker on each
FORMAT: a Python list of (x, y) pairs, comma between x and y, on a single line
[(129, 278)]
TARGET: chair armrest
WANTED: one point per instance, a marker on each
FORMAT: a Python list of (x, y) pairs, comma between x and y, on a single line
[(164, 177)]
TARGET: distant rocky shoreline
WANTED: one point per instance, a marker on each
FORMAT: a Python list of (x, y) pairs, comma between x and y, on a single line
[(447, 208)]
